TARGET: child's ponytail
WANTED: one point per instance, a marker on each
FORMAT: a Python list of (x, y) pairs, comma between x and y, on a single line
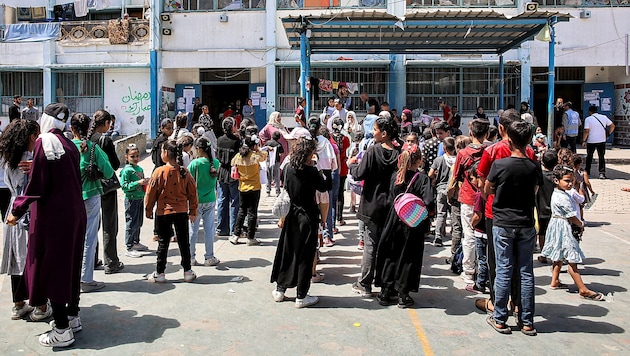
[(180, 160), (409, 155), (203, 143), (80, 124)]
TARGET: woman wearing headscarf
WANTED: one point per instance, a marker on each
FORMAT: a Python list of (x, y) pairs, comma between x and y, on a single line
[(275, 124)]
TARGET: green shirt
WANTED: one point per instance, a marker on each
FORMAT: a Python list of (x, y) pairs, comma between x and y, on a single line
[(91, 188), (206, 184), (129, 177)]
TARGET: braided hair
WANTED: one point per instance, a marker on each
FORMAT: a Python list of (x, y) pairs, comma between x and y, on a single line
[(101, 117), (82, 127), (174, 151), (228, 125), (15, 140), (181, 120), (203, 143)]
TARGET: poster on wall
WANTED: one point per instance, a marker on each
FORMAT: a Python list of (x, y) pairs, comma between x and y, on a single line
[(622, 102), (168, 103)]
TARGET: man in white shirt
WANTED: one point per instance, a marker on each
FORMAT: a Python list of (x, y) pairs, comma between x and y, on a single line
[(595, 129), (30, 112)]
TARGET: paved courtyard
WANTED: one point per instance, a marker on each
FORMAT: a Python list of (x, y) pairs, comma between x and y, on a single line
[(229, 309)]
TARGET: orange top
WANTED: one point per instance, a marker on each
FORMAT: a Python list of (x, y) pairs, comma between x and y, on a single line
[(172, 193)]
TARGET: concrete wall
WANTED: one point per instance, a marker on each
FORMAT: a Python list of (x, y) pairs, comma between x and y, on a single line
[(22, 54), (127, 94), (105, 54)]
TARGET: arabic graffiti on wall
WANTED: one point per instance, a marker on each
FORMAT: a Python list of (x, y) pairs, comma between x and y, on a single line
[(137, 102)]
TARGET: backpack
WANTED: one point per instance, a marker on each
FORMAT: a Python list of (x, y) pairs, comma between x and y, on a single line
[(410, 209), (457, 259)]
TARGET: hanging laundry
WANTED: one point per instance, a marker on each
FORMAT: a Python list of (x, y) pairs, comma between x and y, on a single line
[(38, 13), (102, 4), (325, 85), (352, 87), (335, 85), (80, 8)]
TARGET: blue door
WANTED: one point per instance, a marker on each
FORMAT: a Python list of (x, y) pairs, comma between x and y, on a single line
[(601, 95)]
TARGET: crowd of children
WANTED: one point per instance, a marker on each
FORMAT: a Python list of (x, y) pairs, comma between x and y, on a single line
[(490, 190)]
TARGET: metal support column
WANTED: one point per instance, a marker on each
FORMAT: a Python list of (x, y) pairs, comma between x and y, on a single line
[(305, 65), (154, 45), (270, 58), (551, 79), (501, 81)]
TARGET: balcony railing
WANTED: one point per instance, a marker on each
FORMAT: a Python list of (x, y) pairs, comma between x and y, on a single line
[(130, 31)]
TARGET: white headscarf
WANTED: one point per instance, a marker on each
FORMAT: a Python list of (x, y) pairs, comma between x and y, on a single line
[(53, 149)]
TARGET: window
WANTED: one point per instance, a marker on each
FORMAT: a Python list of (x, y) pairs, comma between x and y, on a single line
[(461, 3), (80, 91), (583, 3), (324, 4), (27, 84), (372, 80), (204, 5), (466, 88)]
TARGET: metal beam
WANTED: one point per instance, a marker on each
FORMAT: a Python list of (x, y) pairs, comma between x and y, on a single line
[(526, 37), (449, 23), (414, 29), (342, 39)]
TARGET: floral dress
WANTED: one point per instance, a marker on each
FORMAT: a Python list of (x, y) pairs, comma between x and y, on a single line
[(560, 244)]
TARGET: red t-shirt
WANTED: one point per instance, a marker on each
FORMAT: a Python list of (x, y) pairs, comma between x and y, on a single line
[(465, 159), (446, 112), (343, 165), (492, 153)]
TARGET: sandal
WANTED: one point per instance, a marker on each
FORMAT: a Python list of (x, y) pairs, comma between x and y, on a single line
[(559, 286), (485, 305), (502, 329), (597, 296), (341, 222), (625, 189), (542, 259), (529, 332)]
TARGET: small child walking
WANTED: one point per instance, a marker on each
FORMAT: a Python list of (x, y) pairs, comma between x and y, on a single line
[(175, 206), (273, 162), (133, 183), (560, 244), (205, 170)]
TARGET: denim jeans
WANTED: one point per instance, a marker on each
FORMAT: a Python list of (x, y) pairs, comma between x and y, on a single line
[(134, 213), (227, 208), (206, 212), (93, 210), (482, 259), (514, 248), (332, 207)]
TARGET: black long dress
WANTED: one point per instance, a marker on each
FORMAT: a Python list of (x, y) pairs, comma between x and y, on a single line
[(293, 263), (400, 250)]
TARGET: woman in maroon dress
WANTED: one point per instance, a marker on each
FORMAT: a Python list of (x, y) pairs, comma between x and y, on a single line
[(57, 228)]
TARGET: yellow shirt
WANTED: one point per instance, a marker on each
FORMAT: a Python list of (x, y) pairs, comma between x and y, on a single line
[(249, 170)]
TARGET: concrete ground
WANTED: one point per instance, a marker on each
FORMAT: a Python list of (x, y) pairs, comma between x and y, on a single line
[(229, 309)]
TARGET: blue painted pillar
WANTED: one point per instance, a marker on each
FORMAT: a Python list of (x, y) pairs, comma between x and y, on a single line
[(155, 103), (305, 66), (397, 93), (501, 81), (551, 80)]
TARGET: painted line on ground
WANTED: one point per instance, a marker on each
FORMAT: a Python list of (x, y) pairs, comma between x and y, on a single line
[(615, 236), (422, 336)]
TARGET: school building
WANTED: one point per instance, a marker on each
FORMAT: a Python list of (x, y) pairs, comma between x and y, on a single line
[(170, 51)]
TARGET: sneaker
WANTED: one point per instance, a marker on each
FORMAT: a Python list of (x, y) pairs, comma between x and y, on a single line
[(384, 297), (360, 289), (405, 301), (133, 254), (74, 323), (212, 261), (328, 242), (18, 313), (318, 277), (438, 242), (174, 239), (155, 237), (139, 247), (87, 287), (360, 245), (157, 277), (98, 263), (467, 278), (277, 295), (306, 301), (115, 269), (602, 176), (233, 239), (253, 242), (57, 338), (474, 288), (189, 276), (39, 315)]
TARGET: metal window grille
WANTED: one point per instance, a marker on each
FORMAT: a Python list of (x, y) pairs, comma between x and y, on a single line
[(201, 5), (80, 91), (27, 84)]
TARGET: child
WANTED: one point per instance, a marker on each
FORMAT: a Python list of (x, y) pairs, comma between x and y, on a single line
[(400, 248), (181, 122), (174, 207), (478, 223), (543, 198), (465, 159), (583, 184), (343, 143), (514, 181), (188, 154), (561, 245), (133, 182), (441, 173), (166, 130), (539, 144), (273, 162), (247, 161), (204, 170), (377, 165)]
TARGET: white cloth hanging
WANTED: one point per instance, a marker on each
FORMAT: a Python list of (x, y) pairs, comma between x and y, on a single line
[(80, 8)]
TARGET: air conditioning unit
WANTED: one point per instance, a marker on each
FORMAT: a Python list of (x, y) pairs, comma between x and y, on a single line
[(531, 6)]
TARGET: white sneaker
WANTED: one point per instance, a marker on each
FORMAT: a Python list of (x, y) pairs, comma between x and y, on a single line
[(277, 295), (189, 276), (306, 301), (233, 239), (19, 313), (57, 338), (139, 247), (39, 315), (157, 277), (467, 278), (212, 261), (133, 254), (74, 323)]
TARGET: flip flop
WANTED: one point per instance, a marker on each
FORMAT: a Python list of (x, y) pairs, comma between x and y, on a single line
[(530, 332), (542, 259), (483, 305), (502, 330), (626, 189), (598, 297), (560, 286)]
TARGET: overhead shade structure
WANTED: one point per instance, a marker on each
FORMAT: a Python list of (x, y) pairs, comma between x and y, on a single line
[(33, 3)]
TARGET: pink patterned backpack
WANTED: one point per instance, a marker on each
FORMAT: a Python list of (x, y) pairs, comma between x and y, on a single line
[(410, 209)]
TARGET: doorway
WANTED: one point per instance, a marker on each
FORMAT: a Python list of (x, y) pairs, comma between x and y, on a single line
[(219, 96), (568, 91)]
